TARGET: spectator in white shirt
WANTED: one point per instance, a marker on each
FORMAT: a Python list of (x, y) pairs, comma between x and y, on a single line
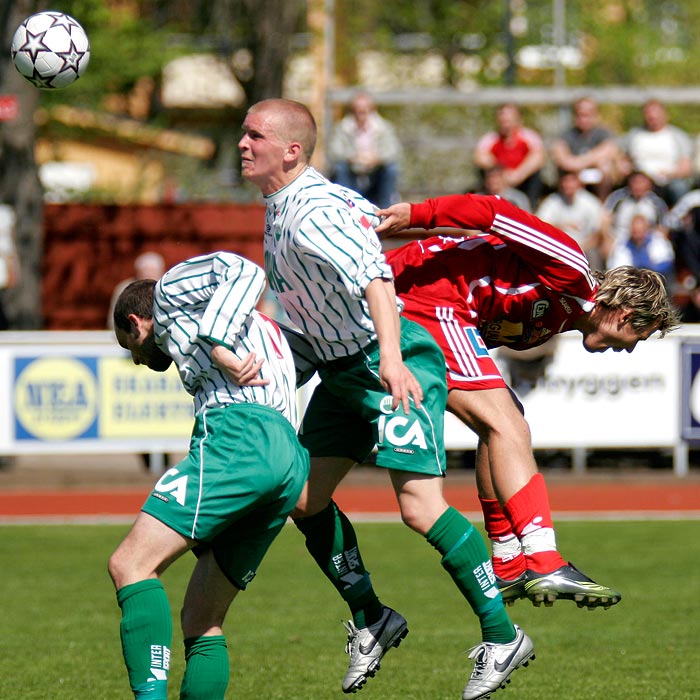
[(579, 213), (661, 150), (636, 197), (365, 153)]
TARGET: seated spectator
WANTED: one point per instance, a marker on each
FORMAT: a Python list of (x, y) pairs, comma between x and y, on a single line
[(683, 224), (661, 150), (365, 153), (494, 182), (579, 213), (636, 197), (518, 150), (588, 149), (647, 246)]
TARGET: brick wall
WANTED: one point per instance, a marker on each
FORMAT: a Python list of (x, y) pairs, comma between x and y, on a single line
[(88, 249)]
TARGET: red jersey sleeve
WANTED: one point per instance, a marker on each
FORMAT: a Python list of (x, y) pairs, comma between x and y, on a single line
[(467, 211), (553, 255)]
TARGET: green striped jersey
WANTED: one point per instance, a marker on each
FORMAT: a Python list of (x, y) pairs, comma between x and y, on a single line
[(212, 298), (321, 252)]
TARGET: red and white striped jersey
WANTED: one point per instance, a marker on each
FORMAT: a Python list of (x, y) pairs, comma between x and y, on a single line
[(521, 281)]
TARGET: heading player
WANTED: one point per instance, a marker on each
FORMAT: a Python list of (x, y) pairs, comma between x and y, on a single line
[(240, 480), (517, 285)]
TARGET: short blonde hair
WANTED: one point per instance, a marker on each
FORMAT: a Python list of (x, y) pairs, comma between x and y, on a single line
[(294, 122), (641, 291)]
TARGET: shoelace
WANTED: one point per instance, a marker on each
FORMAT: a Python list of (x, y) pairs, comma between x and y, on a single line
[(480, 653), (352, 635)]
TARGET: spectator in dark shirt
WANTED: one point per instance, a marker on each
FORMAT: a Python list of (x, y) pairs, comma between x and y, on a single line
[(589, 149), (636, 197)]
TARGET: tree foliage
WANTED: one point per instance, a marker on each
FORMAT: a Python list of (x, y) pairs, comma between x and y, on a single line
[(124, 46), (621, 42)]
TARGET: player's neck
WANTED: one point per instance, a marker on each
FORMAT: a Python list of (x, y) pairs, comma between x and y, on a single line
[(282, 179), (586, 322)]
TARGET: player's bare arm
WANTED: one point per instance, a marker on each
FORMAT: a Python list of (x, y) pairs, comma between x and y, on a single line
[(395, 218), (395, 377), (245, 372)]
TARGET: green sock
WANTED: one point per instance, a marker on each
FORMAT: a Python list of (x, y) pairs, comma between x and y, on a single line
[(466, 559), (331, 541), (146, 634), (207, 669)]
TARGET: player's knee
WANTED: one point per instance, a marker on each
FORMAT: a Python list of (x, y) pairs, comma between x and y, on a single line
[(419, 516), (411, 517), (310, 503), (117, 568), (197, 623), (126, 567)]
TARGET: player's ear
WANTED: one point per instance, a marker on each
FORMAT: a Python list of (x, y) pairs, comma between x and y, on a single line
[(135, 322), (625, 316), (293, 152)]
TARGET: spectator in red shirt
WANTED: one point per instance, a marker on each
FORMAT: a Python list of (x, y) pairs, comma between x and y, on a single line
[(518, 150)]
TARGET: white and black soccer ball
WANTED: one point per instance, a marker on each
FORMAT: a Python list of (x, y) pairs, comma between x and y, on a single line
[(50, 49)]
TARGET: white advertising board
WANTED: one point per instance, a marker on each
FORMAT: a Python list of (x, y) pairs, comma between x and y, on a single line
[(600, 399), (79, 392)]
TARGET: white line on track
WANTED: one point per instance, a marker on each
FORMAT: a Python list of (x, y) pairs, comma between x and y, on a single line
[(610, 516)]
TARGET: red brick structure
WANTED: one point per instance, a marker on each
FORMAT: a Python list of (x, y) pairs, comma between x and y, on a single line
[(88, 249)]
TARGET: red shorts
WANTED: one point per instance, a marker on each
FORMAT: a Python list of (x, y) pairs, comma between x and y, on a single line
[(470, 367)]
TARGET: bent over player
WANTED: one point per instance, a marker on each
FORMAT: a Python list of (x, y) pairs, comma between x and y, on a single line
[(241, 478), (382, 382), (516, 286)]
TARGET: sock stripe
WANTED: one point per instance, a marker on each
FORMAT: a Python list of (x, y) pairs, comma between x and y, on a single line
[(493, 605), (460, 541)]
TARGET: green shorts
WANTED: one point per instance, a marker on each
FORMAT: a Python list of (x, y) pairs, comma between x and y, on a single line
[(241, 478), (350, 412)]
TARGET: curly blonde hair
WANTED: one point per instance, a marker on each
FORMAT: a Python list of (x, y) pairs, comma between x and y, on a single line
[(641, 291)]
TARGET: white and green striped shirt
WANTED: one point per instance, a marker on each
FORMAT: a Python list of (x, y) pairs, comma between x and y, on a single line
[(321, 252), (212, 298)]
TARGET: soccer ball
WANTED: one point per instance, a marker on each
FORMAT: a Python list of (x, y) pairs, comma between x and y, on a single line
[(51, 50)]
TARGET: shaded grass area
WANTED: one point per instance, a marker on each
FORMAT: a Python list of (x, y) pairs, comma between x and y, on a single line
[(59, 627)]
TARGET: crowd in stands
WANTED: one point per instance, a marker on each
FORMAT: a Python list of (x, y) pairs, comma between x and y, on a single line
[(628, 199)]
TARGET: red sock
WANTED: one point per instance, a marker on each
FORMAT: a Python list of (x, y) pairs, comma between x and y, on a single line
[(531, 519), (507, 558)]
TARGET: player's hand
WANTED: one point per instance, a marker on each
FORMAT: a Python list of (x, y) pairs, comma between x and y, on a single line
[(395, 218), (245, 372), (399, 381)]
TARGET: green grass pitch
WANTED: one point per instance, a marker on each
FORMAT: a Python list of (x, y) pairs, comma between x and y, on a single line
[(59, 622)]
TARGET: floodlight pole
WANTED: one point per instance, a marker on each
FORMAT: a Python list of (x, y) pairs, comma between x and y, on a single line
[(559, 38), (559, 30), (509, 46)]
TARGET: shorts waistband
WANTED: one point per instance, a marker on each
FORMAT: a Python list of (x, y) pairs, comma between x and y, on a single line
[(351, 360)]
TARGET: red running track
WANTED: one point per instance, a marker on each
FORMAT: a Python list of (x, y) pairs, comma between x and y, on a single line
[(662, 497)]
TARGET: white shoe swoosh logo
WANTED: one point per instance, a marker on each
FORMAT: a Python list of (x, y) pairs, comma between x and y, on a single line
[(501, 666)]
